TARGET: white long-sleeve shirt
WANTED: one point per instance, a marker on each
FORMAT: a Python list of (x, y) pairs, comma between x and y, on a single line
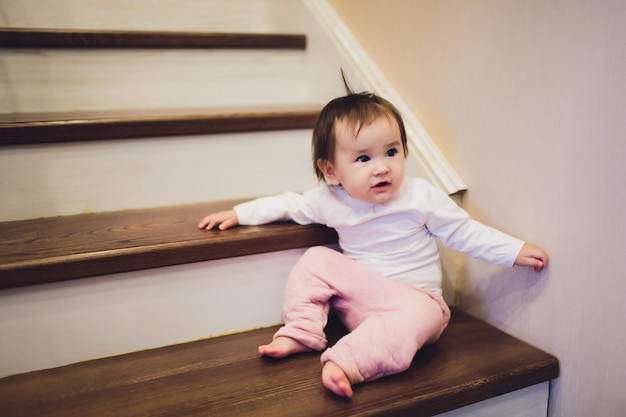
[(397, 238)]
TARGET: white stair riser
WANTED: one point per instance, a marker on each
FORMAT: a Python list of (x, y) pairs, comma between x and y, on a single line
[(526, 402), (71, 80), (56, 324), (62, 179), (189, 15)]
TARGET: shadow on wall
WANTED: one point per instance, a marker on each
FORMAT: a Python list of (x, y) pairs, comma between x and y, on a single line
[(502, 294)]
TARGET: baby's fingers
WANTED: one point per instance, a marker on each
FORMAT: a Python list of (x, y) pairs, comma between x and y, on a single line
[(533, 256), (227, 224), (222, 219), (536, 263), (207, 223)]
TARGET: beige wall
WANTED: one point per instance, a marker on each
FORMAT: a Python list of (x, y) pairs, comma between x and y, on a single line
[(527, 99)]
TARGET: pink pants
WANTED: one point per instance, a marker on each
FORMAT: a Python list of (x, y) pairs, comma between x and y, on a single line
[(389, 321)]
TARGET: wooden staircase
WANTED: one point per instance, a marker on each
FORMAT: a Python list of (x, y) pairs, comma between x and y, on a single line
[(73, 274), (472, 362)]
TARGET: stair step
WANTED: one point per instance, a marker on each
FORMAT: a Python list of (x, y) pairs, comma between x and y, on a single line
[(29, 128), (224, 376), (73, 38), (69, 247)]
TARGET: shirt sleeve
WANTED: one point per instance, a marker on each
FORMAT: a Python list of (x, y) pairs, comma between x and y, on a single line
[(300, 208), (454, 228)]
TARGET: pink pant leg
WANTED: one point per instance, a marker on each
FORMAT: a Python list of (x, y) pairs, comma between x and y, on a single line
[(385, 342), (389, 320), (306, 301), (320, 274)]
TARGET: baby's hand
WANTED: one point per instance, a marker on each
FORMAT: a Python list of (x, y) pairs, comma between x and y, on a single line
[(532, 255), (223, 220)]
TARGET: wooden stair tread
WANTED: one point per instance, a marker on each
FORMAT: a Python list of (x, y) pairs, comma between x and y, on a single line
[(69, 247), (224, 376), (22, 129), (73, 38)]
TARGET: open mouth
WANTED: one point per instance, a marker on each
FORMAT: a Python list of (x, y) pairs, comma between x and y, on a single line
[(382, 185)]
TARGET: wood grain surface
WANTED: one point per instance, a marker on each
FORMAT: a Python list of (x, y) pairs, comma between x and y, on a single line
[(23, 129), (73, 38), (69, 247)]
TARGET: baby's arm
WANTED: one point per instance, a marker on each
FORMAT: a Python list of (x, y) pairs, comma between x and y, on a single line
[(222, 219), (532, 255), (264, 210)]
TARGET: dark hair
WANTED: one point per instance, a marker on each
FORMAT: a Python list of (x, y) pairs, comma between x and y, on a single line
[(356, 109)]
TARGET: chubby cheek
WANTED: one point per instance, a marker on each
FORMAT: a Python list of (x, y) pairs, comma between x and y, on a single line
[(397, 168), (358, 184), (398, 172)]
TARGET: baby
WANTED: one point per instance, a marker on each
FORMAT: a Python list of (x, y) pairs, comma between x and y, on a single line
[(385, 285)]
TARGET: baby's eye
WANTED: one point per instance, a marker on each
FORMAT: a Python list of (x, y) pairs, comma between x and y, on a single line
[(362, 158), (392, 152)]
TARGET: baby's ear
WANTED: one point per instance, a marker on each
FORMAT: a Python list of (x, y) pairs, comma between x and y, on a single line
[(329, 172)]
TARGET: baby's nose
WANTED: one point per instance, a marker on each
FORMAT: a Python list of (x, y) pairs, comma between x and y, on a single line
[(381, 168)]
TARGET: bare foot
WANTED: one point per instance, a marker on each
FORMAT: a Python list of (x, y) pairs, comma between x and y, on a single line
[(336, 380), (282, 346)]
